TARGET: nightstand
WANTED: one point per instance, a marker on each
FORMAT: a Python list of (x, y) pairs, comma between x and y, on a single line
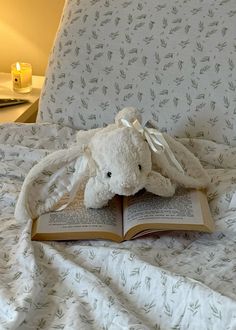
[(25, 113)]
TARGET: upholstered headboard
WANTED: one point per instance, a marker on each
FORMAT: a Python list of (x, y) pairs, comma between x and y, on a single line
[(173, 60)]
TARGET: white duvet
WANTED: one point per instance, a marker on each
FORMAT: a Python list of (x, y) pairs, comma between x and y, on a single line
[(171, 281)]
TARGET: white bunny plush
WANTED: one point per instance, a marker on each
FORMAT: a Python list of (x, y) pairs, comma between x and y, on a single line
[(121, 158)]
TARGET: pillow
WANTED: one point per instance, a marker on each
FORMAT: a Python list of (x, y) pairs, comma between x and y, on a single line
[(174, 61)]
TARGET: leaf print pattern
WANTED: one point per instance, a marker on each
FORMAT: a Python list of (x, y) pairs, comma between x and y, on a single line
[(148, 47), (173, 280)]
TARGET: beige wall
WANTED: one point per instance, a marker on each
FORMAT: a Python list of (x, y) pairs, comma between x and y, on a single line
[(27, 31)]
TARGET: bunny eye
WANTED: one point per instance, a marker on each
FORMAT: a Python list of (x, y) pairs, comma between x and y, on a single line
[(109, 174), (140, 167)]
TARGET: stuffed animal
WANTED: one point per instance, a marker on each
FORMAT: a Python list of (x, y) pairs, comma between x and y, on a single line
[(121, 158)]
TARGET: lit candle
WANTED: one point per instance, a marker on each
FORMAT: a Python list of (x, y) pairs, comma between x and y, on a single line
[(21, 77)]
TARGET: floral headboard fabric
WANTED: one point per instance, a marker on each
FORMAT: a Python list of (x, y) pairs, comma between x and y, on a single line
[(173, 60)]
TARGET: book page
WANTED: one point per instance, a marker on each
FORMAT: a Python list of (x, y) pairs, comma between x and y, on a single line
[(182, 208), (76, 218)]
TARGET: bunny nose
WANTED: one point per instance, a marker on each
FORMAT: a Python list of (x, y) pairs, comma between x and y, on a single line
[(129, 182)]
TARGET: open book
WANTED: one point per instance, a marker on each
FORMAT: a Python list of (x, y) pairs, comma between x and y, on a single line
[(126, 218)]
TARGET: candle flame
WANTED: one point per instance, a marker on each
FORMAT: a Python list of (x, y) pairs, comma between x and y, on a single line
[(18, 66)]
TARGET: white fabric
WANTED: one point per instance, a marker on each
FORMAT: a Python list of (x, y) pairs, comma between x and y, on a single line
[(171, 281), (173, 60)]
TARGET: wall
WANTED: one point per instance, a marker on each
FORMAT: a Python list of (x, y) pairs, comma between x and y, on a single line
[(27, 31)]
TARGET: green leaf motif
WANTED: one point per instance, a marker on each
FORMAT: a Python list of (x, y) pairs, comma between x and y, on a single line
[(163, 43), (174, 29), (148, 282), (164, 23), (216, 312), (84, 104), (41, 324), (231, 64), (139, 25), (184, 43), (187, 28), (232, 87), (135, 287), (216, 83), (167, 310), (132, 60), (135, 271), (226, 102), (84, 318), (204, 69), (194, 307), (111, 301), (167, 66), (209, 33), (127, 96), (128, 38), (123, 278), (149, 306), (221, 46), (176, 117), (163, 102)]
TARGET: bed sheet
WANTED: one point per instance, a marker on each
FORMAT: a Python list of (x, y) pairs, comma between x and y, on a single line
[(167, 281)]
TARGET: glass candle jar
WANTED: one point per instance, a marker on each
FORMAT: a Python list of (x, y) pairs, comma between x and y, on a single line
[(21, 77)]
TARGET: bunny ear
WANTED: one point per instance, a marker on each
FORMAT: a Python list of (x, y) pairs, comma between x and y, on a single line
[(84, 137), (193, 175), (129, 114), (56, 175)]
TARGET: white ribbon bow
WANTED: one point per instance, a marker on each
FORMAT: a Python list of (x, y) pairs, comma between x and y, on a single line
[(155, 140)]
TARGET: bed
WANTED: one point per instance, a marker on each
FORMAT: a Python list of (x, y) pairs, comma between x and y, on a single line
[(175, 62)]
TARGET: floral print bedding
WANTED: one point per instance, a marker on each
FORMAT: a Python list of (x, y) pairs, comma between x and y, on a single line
[(172, 280), (173, 60)]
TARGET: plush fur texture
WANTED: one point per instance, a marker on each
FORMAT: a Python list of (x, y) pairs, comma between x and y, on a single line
[(111, 160), (122, 161)]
